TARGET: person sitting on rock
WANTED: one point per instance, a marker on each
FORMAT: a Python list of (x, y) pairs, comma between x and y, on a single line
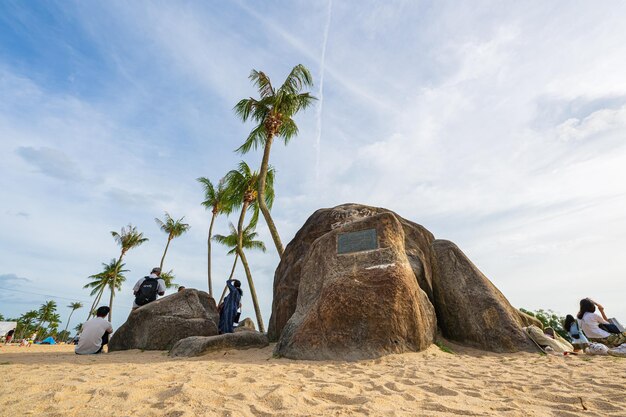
[(95, 333), (228, 308), (591, 323), (147, 288), (579, 341)]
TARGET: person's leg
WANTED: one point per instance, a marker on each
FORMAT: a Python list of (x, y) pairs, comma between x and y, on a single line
[(615, 340), (105, 341)]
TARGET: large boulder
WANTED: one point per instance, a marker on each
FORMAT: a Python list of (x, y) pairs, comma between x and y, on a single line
[(470, 309), (200, 345), (160, 324), (331, 305), (288, 274), (358, 304)]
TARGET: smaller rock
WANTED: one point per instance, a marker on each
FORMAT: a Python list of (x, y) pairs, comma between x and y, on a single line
[(160, 324), (200, 345), (245, 325)]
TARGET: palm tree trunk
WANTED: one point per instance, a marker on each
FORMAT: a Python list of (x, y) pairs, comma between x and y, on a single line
[(169, 239), (68, 322), (255, 301), (261, 197), (257, 310), (117, 266), (209, 254), (232, 272), (95, 302)]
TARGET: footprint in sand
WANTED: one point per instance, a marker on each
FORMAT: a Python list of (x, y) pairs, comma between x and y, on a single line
[(341, 399), (306, 373), (439, 390)]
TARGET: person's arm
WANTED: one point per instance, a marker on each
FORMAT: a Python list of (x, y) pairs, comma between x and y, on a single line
[(137, 285), (230, 285), (601, 310), (161, 288), (110, 328)]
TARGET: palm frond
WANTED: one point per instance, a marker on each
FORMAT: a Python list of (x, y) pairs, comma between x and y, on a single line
[(262, 82), (256, 139), (298, 77)]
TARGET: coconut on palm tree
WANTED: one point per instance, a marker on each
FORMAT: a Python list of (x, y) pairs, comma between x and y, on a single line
[(128, 238), (102, 280), (242, 184), (216, 200), (173, 228), (247, 242), (74, 306), (273, 111)]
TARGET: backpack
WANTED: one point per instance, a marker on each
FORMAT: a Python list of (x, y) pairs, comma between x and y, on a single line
[(147, 291)]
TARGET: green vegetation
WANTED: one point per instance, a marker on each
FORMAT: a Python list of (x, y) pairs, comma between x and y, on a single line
[(173, 228), (444, 348), (74, 306), (127, 239), (242, 188), (247, 242), (273, 112), (215, 199), (112, 275), (549, 319)]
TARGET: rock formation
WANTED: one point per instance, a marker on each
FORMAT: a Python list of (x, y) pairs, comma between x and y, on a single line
[(360, 282), (470, 309), (245, 325), (358, 305), (200, 345), (160, 324)]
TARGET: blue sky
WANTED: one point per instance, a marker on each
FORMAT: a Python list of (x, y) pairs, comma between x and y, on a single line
[(499, 126)]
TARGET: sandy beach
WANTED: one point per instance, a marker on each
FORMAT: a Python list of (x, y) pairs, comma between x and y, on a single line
[(53, 381)]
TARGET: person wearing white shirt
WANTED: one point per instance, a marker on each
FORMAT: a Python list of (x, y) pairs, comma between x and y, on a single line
[(145, 294), (590, 324), (95, 333)]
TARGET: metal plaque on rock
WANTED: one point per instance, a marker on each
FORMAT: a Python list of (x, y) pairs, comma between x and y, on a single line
[(357, 241)]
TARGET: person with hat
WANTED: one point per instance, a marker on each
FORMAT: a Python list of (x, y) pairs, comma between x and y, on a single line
[(148, 288)]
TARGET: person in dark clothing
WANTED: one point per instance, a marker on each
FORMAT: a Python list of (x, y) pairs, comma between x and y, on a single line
[(230, 305)]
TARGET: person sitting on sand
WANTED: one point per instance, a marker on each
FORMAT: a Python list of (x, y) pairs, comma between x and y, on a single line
[(147, 288), (579, 341), (590, 324), (95, 333), (228, 308)]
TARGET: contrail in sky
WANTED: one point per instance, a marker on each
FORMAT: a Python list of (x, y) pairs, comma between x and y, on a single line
[(320, 94)]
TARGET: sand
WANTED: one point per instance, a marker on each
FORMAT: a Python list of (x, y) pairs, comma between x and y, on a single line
[(53, 381)]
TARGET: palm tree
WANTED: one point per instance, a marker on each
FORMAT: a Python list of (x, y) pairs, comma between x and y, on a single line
[(242, 185), (216, 200), (168, 277), (247, 242), (46, 313), (127, 239), (26, 321), (274, 112), (173, 228), (112, 275), (79, 328), (74, 306)]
